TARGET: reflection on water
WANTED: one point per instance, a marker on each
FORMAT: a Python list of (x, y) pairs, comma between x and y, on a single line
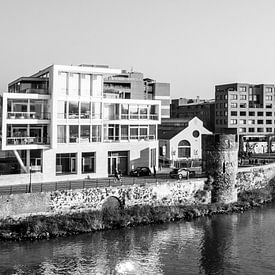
[(224, 244)]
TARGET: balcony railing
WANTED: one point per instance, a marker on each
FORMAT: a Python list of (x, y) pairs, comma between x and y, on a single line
[(139, 116), (80, 140), (27, 140), (77, 116), (126, 138), (28, 115), (32, 91)]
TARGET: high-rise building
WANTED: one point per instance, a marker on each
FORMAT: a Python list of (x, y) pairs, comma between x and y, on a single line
[(62, 123)]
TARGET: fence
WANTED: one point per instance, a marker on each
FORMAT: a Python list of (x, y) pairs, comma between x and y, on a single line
[(77, 184)]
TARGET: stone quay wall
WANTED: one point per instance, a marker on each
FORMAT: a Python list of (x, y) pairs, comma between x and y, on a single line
[(66, 201)]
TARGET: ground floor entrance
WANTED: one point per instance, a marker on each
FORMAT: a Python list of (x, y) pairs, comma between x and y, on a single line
[(118, 160)]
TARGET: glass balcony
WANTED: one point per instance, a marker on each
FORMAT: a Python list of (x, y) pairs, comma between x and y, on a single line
[(28, 115), (27, 140)]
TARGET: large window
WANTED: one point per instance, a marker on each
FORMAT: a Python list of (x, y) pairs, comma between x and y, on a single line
[(61, 133), (85, 84), (73, 110), (73, 84), (85, 110), (133, 112), (124, 111), (96, 110), (88, 162), (124, 132), (73, 133), (96, 133), (184, 149), (63, 82), (61, 109), (85, 133), (66, 163)]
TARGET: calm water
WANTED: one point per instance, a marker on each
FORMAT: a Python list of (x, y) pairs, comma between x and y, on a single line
[(225, 244)]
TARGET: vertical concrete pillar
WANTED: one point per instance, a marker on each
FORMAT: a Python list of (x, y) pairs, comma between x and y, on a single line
[(220, 160)]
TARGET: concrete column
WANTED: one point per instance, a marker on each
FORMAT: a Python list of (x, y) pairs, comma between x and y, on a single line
[(220, 160)]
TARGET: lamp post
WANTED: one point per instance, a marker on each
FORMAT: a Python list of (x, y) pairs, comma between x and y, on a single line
[(30, 183)]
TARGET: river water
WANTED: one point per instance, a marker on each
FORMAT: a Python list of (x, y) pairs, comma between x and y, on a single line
[(223, 244)]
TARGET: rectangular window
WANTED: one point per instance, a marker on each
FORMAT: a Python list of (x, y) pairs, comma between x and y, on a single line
[(73, 130), (269, 130), (233, 121), (85, 133), (85, 85), (133, 111), (260, 130), (88, 162), (268, 121), (133, 132), (73, 110), (66, 163), (269, 105), (242, 130), (242, 121), (260, 113), (124, 132), (96, 110), (242, 105), (234, 113), (152, 132), (143, 132), (260, 121), (251, 121), (143, 111), (61, 133), (242, 113), (251, 130), (85, 110), (124, 111), (251, 114), (268, 97), (268, 113), (234, 105), (242, 89), (96, 133), (61, 109), (73, 84), (268, 89), (243, 97)]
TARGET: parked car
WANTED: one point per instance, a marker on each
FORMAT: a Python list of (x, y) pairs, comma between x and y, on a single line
[(194, 167), (179, 173), (140, 171)]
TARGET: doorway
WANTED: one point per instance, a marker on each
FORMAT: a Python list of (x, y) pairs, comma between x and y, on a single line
[(118, 160)]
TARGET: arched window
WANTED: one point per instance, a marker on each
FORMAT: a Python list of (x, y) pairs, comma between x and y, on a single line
[(184, 149)]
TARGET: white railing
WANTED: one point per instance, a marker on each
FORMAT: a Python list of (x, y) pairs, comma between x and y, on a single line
[(27, 115)]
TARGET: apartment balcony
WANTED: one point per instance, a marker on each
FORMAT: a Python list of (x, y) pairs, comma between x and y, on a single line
[(28, 115), (27, 141), (129, 138), (140, 116)]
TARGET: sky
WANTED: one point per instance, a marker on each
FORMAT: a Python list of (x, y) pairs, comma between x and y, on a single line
[(192, 44)]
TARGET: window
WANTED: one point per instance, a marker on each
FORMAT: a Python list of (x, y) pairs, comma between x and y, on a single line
[(243, 97), (133, 111), (268, 121), (152, 131), (251, 121), (268, 113), (268, 97), (124, 111), (217, 121), (242, 130), (85, 110), (234, 105), (61, 133), (268, 89), (143, 132), (242, 113), (269, 105), (184, 149), (269, 130), (61, 109), (73, 84), (96, 133), (242, 121), (133, 132), (251, 130), (66, 163), (85, 133), (63, 78), (73, 110), (234, 113), (260, 121), (251, 113), (242, 89), (260, 113), (196, 134), (85, 84), (233, 96), (73, 130), (233, 121), (225, 97), (96, 110), (88, 162), (260, 130), (124, 132), (242, 105)]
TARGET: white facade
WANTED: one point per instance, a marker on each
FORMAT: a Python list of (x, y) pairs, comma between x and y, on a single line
[(59, 123)]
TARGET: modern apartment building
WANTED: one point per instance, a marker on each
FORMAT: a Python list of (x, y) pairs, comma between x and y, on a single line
[(132, 85), (62, 124), (248, 110), (204, 109)]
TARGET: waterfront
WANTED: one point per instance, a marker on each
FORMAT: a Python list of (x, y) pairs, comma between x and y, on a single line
[(222, 244)]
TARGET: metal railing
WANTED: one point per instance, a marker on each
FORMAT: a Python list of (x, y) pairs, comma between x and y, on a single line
[(26, 140), (27, 115), (31, 91)]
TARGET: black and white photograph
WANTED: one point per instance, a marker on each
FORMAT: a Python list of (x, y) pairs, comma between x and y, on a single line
[(137, 137)]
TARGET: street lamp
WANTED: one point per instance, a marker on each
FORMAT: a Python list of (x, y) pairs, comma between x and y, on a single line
[(30, 183)]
